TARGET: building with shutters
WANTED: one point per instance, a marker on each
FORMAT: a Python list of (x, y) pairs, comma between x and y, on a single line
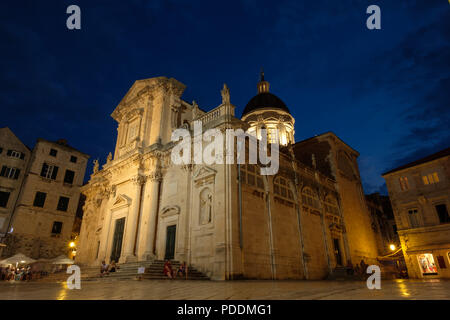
[(44, 192), (420, 197), (226, 220), (14, 159)]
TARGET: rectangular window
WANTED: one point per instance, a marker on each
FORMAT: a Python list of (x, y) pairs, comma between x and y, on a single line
[(15, 154), (404, 185), (413, 218), (63, 203), (39, 199), (427, 265), (442, 212), (68, 177), (57, 228), (4, 197), (49, 171), (1, 150), (430, 178), (133, 130), (73, 159), (10, 173), (53, 152)]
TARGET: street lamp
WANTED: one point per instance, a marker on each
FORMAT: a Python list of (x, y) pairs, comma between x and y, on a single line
[(392, 247), (72, 244)]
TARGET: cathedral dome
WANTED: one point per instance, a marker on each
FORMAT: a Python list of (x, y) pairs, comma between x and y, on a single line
[(267, 113), (265, 100)]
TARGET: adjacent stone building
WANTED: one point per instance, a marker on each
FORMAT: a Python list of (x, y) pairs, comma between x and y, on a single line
[(227, 220), (42, 217), (383, 222), (420, 196), (14, 159)]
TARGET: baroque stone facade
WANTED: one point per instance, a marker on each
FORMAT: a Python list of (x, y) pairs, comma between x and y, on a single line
[(420, 197), (227, 220)]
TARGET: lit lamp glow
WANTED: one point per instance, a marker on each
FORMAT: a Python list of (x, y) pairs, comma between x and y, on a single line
[(392, 247), (72, 244)]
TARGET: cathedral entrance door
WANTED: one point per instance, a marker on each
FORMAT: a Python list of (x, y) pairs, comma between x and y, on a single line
[(170, 242), (337, 252), (117, 239)]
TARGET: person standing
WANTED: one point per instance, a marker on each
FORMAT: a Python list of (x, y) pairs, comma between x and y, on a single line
[(168, 271)]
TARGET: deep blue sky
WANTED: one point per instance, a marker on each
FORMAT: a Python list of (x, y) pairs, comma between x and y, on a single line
[(384, 92)]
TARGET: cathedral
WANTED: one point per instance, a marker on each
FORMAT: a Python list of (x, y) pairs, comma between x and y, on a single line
[(226, 220)]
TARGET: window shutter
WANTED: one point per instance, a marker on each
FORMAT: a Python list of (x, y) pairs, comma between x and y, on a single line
[(16, 174), (55, 172), (44, 169)]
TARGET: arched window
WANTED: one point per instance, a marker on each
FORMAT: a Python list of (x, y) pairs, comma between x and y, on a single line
[(310, 198), (250, 175), (331, 206), (281, 188)]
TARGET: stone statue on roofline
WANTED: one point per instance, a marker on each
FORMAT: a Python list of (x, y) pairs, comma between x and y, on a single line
[(109, 158), (96, 165), (225, 94)]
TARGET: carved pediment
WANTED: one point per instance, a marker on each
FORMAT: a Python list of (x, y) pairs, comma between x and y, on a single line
[(121, 201), (170, 211), (204, 175)]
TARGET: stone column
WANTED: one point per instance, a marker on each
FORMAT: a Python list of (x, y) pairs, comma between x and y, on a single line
[(131, 223), (149, 217)]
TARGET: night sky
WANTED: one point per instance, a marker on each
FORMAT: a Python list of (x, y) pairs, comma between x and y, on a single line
[(384, 92)]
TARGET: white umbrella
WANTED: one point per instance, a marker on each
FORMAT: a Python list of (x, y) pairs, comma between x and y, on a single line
[(18, 258), (62, 260)]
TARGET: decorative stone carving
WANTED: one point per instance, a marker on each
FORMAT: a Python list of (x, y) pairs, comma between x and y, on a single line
[(187, 167), (170, 211), (138, 180), (109, 158), (225, 94), (205, 206), (96, 165), (204, 175), (155, 176), (121, 201)]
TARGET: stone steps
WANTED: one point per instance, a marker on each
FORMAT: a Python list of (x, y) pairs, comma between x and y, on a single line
[(340, 273), (126, 271)]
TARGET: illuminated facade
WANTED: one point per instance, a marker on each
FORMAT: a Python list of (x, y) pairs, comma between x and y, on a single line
[(228, 221), (420, 197)]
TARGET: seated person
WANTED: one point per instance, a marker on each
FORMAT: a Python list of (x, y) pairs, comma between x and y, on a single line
[(182, 270), (103, 268), (112, 266)]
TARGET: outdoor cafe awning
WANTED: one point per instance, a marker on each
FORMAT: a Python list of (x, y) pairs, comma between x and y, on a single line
[(17, 258)]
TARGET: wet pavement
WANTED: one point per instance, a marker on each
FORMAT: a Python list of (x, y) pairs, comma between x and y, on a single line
[(199, 290)]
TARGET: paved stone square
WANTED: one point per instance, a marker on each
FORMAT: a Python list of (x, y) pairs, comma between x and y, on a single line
[(179, 289)]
